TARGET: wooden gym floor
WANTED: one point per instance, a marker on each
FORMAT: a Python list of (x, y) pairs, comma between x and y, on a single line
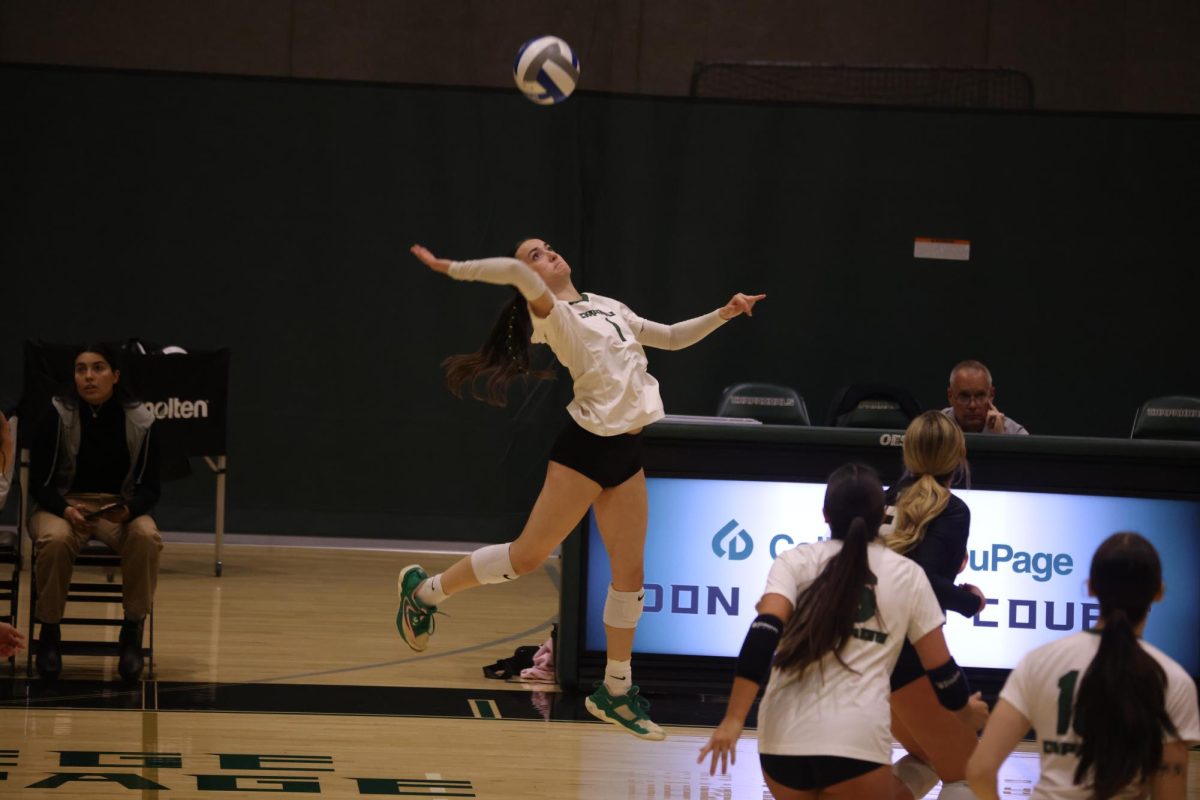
[(287, 675)]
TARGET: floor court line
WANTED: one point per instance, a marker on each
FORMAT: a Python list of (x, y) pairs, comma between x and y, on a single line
[(316, 619)]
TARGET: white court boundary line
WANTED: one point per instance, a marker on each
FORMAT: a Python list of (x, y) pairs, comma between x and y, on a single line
[(422, 546)]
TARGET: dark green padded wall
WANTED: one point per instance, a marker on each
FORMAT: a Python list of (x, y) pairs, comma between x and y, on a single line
[(273, 217)]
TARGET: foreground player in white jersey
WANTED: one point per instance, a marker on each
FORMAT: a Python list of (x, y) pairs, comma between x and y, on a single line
[(834, 616), (596, 461), (1114, 716)]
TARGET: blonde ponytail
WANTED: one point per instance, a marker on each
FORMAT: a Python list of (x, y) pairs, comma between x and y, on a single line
[(917, 506), (934, 448)]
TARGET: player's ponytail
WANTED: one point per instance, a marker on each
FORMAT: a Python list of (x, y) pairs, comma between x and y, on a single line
[(828, 609), (934, 449), (1120, 709), (502, 359)]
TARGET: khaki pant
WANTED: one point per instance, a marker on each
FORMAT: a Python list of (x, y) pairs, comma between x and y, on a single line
[(57, 545)]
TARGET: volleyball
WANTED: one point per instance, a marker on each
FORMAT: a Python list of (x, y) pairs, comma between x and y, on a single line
[(546, 70)]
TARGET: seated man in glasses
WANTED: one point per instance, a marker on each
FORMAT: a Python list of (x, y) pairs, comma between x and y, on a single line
[(972, 401)]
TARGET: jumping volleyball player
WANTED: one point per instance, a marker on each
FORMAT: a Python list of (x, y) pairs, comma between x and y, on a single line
[(595, 462), (1114, 716), (832, 620)]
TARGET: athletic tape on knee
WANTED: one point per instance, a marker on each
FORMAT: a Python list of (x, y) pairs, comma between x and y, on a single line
[(491, 564), (758, 648), (914, 773), (623, 609), (950, 685)]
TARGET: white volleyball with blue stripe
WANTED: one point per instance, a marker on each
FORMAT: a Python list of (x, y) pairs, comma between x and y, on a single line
[(546, 70)]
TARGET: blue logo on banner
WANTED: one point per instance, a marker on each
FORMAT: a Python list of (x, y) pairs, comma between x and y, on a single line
[(735, 553)]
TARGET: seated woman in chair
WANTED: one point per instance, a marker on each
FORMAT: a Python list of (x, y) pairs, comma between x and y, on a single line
[(94, 474)]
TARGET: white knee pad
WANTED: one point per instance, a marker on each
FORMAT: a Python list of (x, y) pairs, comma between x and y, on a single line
[(623, 609), (914, 773), (491, 564), (957, 791)]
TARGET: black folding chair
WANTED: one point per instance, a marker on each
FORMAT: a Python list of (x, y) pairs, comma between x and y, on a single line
[(1171, 417), (10, 586), (766, 402), (873, 405)]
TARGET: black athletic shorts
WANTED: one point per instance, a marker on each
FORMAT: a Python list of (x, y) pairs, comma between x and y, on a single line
[(805, 773), (608, 460)]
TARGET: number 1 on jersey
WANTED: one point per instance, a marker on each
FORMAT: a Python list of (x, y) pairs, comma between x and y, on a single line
[(1066, 700), (616, 328)]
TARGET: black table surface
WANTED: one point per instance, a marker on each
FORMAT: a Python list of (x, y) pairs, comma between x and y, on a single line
[(717, 448)]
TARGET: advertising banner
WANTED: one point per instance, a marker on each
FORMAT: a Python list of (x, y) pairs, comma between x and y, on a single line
[(710, 544)]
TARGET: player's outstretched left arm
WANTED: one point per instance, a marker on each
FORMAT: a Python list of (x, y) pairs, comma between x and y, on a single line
[(687, 333), (740, 304)]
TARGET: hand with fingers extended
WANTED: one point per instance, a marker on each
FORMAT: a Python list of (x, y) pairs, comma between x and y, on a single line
[(427, 258), (722, 745), (740, 304)]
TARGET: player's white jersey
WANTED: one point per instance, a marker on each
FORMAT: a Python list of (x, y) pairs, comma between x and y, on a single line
[(829, 710), (595, 340), (1043, 688)]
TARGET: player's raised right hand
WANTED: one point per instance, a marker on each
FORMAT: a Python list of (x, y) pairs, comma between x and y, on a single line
[(427, 258)]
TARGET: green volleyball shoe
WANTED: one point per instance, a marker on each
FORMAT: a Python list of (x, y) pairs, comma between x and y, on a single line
[(626, 711), (414, 619)]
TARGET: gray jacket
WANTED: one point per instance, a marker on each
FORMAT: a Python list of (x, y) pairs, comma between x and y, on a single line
[(137, 436)]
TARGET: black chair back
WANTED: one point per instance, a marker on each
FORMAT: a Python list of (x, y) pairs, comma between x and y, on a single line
[(873, 405), (1170, 417), (766, 402)]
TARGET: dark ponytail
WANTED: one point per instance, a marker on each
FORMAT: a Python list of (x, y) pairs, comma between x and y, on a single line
[(503, 358), (1120, 709), (828, 609)]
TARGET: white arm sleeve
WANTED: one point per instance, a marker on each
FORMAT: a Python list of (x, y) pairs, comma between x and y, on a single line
[(502, 272), (677, 336)]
